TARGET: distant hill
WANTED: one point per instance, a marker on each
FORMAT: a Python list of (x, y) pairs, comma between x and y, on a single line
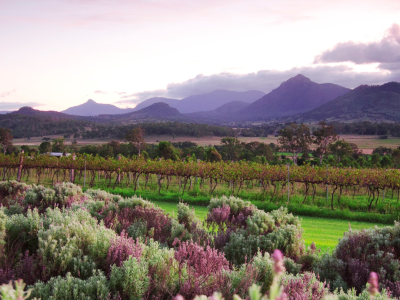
[(92, 108), (171, 102), (154, 113), (2, 112), (220, 114), (205, 102), (377, 103), (29, 111), (296, 95)]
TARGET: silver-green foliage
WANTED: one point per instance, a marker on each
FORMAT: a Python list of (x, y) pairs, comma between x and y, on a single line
[(131, 278), (69, 287)]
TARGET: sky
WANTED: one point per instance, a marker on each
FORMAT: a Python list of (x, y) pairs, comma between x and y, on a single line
[(59, 53)]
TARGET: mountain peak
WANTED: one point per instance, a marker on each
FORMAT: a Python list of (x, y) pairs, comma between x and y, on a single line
[(91, 101), (299, 78)]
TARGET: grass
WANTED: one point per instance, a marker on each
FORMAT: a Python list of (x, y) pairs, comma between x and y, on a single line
[(325, 233), (349, 210)]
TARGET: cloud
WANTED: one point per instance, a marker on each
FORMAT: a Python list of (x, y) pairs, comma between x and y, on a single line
[(5, 94), (139, 97), (265, 81), (385, 51), (100, 92), (17, 105)]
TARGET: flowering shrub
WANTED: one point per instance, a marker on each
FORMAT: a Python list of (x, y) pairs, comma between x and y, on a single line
[(121, 249), (204, 268)]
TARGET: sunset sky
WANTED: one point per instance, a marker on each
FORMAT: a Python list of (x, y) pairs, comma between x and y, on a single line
[(60, 53)]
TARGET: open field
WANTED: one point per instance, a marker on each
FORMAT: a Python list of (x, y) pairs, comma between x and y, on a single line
[(325, 233), (365, 142)]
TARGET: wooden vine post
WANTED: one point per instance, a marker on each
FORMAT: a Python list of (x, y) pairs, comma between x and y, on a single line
[(21, 161), (72, 171)]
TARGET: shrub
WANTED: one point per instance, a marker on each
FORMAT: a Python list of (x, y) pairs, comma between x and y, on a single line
[(163, 270), (71, 234), (236, 205), (9, 293), (21, 233), (157, 222), (62, 195), (95, 287), (12, 192), (100, 195), (304, 287), (130, 279), (121, 249), (204, 268)]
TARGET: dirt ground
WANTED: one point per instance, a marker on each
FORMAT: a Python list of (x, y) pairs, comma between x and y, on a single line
[(366, 142)]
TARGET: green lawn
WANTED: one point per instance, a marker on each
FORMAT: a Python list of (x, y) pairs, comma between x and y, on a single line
[(325, 233)]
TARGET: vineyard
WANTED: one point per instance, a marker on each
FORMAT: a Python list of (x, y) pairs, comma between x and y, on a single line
[(68, 244), (270, 183)]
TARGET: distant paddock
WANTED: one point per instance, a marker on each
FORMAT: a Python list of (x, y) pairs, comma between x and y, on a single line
[(365, 142)]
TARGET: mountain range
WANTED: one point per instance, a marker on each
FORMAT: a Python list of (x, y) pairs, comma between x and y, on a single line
[(204, 102), (297, 99)]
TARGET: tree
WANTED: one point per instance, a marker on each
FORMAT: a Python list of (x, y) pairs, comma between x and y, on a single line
[(136, 137), (341, 148), (5, 138), (382, 150), (45, 147), (396, 157), (212, 155), (232, 147), (295, 139), (58, 145), (324, 137), (167, 151)]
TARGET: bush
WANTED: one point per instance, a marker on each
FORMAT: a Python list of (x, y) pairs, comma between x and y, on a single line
[(12, 192), (62, 195), (121, 249), (95, 287), (71, 234), (130, 279), (304, 286)]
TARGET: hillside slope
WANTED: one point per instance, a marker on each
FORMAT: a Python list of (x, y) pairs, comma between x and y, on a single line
[(156, 112), (376, 103), (296, 95)]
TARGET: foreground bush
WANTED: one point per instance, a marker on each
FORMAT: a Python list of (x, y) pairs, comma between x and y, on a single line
[(74, 245)]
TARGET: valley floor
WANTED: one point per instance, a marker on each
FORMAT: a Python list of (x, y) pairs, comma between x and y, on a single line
[(365, 142)]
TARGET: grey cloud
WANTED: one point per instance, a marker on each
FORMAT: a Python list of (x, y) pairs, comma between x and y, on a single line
[(17, 105), (100, 92), (385, 51), (265, 81), (5, 94), (139, 97)]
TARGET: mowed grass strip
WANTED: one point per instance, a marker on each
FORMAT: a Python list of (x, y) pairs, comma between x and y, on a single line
[(325, 233)]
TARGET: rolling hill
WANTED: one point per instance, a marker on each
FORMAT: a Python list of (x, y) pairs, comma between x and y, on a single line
[(377, 103), (156, 112), (92, 108), (205, 102), (220, 114), (296, 95)]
